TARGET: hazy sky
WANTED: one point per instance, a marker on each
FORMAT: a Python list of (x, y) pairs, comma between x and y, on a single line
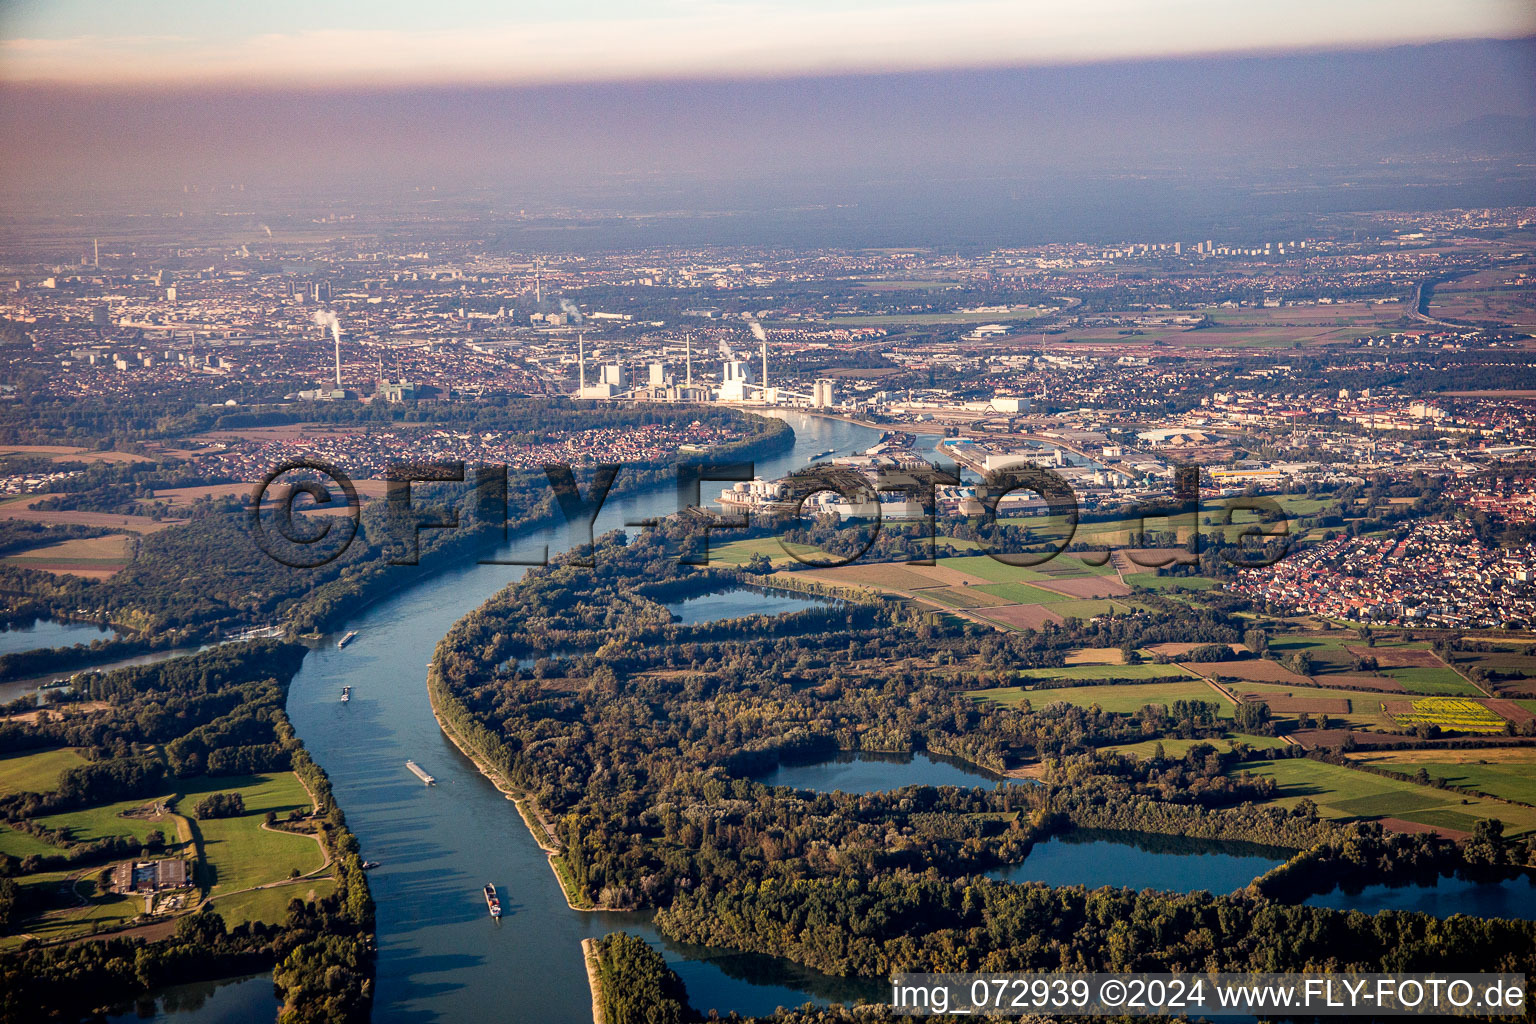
[(841, 115), (369, 42)]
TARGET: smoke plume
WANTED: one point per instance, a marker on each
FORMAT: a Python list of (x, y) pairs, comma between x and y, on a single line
[(569, 308), (325, 318)]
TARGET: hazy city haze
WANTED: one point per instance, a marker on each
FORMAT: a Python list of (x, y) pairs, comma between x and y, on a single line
[(926, 152)]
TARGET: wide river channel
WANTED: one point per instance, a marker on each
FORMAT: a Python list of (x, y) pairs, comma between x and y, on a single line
[(441, 958)]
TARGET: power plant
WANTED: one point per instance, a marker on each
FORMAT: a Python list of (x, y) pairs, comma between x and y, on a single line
[(738, 383)]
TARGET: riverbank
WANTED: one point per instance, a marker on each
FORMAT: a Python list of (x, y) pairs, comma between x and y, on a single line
[(589, 954), (527, 808)]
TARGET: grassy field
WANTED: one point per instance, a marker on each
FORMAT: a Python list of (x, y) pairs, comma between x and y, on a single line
[(1509, 773), (1124, 699), (270, 906), (1311, 644), (1444, 682), (990, 569), (1506, 662), (1332, 654), (743, 551), (1089, 607), (1144, 671), (93, 823), (1175, 747), (1345, 793), (1021, 593), (239, 852), (1211, 519), (975, 582), (19, 844), (36, 771), (65, 915), (17, 508), (63, 453), (1152, 581)]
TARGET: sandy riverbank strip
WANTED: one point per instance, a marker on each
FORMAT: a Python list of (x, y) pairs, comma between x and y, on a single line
[(589, 953), (526, 808)]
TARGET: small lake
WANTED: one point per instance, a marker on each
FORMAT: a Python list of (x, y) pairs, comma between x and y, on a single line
[(247, 1000), (11, 689), (740, 602), (528, 661), (1139, 860), (861, 772), (752, 984), (1515, 897), (46, 633)]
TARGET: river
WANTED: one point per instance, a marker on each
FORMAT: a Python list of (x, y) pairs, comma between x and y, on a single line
[(441, 958)]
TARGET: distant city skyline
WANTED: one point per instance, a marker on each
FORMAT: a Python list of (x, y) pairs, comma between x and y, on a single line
[(457, 42)]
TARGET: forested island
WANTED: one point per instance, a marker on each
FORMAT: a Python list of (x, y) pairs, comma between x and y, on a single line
[(640, 740)]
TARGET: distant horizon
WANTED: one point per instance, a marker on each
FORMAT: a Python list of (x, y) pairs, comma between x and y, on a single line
[(472, 42), (1113, 149)]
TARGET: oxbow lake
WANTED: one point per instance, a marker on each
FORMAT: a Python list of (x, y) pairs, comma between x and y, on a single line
[(1446, 895), (249, 1000), (47, 633), (740, 602), (1137, 860), (864, 772), (10, 689)]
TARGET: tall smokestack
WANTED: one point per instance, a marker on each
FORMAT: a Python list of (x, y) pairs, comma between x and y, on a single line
[(96, 252), (688, 341), (765, 369), (581, 362), (538, 282), (336, 336)]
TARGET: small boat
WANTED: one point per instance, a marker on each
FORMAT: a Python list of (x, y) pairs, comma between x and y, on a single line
[(369, 865), (491, 900), (347, 639), (346, 694)]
